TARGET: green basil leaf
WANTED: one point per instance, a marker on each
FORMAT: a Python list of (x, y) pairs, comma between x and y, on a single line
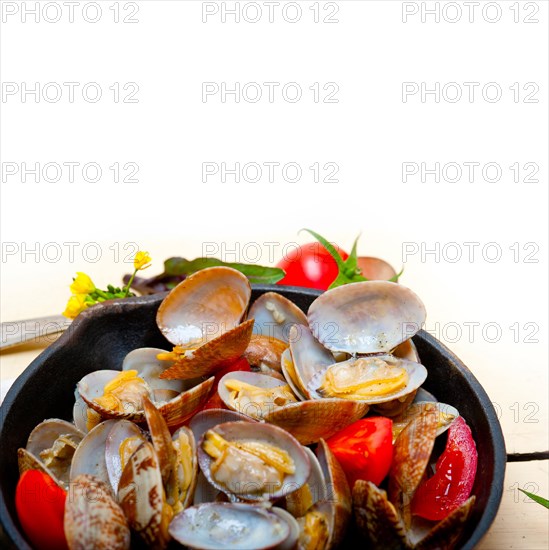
[(257, 274)]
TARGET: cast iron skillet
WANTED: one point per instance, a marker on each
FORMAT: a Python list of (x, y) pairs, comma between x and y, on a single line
[(104, 334)]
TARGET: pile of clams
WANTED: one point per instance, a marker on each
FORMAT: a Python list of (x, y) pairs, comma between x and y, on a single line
[(255, 472)]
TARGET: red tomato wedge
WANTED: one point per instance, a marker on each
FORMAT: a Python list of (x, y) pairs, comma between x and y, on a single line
[(453, 481), (40, 505), (365, 449)]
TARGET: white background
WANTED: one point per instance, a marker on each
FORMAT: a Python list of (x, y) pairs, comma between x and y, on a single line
[(369, 133)]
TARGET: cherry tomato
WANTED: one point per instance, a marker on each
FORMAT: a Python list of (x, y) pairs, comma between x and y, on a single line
[(310, 265), (365, 449), (40, 505), (453, 481)]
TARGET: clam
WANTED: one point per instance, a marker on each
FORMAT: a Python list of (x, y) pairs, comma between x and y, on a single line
[(369, 321), (89, 457), (202, 318), (412, 450), (274, 316), (50, 448), (293, 537), (309, 358), (380, 524), (288, 370), (338, 503), (323, 505), (446, 415), (367, 317), (313, 491), (177, 458), (92, 518), (141, 497), (377, 519), (254, 394), (220, 526), (205, 420), (122, 441), (120, 394), (84, 417), (315, 527), (309, 421), (253, 461), (371, 379)]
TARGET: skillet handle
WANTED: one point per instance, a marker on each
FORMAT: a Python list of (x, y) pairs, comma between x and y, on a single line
[(15, 333)]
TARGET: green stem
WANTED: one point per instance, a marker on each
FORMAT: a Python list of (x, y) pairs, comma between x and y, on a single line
[(127, 287)]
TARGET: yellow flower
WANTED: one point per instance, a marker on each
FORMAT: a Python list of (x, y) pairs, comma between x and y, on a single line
[(141, 261), (82, 284), (75, 305)]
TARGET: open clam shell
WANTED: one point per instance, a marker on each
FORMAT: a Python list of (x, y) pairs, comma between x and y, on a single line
[(288, 370), (446, 416), (210, 357), (407, 350), (221, 526), (27, 461), (366, 317), (89, 457), (205, 420), (93, 519), (269, 394), (204, 306), (149, 367), (92, 387), (412, 451), (184, 406), (274, 316), (347, 376), (314, 490), (291, 540), (141, 496), (240, 485), (181, 486), (309, 358), (119, 434), (316, 527), (377, 519), (447, 532), (309, 421), (176, 411), (52, 445), (84, 417), (339, 498), (161, 439)]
